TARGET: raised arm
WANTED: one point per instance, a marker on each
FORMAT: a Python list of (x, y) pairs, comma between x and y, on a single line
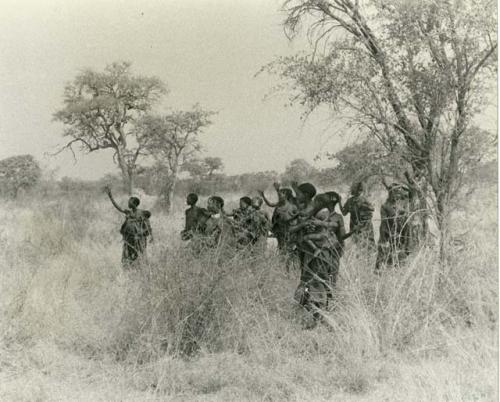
[(268, 203), (344, 208), (295, 187), (108, 191)]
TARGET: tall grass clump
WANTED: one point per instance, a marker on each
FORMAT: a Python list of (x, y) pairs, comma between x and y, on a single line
[(227, 324)]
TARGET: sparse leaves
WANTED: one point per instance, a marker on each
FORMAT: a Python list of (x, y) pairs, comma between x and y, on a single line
[(412, 75), (101, 109)]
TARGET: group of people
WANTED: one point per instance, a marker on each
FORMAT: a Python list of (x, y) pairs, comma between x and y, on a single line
[(306, 225)]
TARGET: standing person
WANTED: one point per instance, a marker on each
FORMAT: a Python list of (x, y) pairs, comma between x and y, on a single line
[(361, 214), (313, 289), (135, 230), (260, 224), (285, 210), (392, 244), (196, 218), (218, 226), (320, 264), (242, 218), (220, 231)]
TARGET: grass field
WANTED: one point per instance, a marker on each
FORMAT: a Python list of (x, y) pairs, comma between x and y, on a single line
[(75, 327)]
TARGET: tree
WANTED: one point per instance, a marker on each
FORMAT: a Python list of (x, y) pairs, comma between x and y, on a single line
[(172, 140), (299, 170), (213, 164), (367, 161), (412, 75), (205, 168), (101, 110), (20, 172)]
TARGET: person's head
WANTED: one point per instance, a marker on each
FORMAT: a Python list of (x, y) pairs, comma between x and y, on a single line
[(306, 193), (257, 202), (215, 204), (133, 202), (325, 200), (333, 199), (397, 192), (357, 188), (285, 194), (245, 202), (191, 199)]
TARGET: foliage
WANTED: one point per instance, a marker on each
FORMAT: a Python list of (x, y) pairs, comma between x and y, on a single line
[(299, 170), (205, 168), (101, 109), (367, 161), (17, 173), (172, 140), (412, 75), (184, 327)]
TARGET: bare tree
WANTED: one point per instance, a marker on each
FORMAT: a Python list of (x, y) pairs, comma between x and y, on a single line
[(172, 140), (412, 74), (101, 109)]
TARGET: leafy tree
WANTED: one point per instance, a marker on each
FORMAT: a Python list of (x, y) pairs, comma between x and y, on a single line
[(368, 161), (213, 165), (101, 109), (411, 74), (299, 170), (172, 140), (20, 172), (205, 168)]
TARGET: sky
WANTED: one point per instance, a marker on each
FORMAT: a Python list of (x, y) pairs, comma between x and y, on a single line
[(206, 51)]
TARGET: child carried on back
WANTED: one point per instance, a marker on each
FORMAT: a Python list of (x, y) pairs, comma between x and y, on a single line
[(319, 237)]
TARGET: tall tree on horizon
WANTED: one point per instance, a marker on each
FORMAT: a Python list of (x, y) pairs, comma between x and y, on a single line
[(172, 140), (101, 110)]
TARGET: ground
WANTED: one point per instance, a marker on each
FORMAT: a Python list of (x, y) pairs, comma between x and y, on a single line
[(75, 327)]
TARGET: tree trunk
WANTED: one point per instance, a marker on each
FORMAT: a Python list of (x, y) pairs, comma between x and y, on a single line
[(443, 215), (167, 192), (419, 212), (127, 173), (166, 196)]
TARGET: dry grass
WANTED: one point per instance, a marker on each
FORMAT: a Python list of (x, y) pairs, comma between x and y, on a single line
[(76, 327)]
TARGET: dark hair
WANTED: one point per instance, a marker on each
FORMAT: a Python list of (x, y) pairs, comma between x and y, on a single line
[(246, 200), (288, 193), (357, 187), (257, 200), (333, 196), (325, 200), (134, 202), (396, 189), (218, 200), (192, 198), (308, 189)]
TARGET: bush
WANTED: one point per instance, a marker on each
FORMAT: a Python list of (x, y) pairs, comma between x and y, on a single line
[(18, 173)]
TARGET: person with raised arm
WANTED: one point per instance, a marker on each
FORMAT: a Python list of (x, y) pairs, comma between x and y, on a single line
[(135, 230)]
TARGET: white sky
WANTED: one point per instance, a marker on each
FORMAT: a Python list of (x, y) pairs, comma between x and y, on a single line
[(206, 51)]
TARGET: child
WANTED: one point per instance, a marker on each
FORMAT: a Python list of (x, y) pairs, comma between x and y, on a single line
[(242, 218), (322, 225), (135, 230), (260, 220)]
